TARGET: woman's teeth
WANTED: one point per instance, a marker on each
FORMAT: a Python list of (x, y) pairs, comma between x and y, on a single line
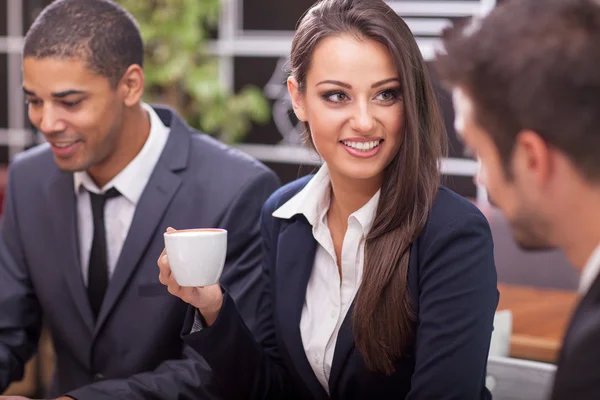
[(364, 146)]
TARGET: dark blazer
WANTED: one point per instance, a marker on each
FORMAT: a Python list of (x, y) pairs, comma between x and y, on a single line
[(134, 349), (452, 282), (578, 376)]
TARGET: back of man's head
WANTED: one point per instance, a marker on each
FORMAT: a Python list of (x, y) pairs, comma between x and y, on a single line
[(99, 32), (533, 65)]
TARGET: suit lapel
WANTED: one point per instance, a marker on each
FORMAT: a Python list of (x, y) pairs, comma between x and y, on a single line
[(295, 258), (570, 329), (579, 317), (148, 214), (60, 197), (153, 204)]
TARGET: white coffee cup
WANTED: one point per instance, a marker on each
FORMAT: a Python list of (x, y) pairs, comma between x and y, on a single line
[(196, 256)]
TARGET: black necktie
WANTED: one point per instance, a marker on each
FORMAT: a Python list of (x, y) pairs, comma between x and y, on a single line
[(98, 265)]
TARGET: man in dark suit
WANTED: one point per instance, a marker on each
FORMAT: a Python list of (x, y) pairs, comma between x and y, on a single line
[(526, 85), (84, 215)]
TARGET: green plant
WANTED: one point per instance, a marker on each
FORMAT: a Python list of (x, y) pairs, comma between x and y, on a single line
[(180, 72)]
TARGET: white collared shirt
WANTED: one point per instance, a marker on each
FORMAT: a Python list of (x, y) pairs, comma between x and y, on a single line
[(118, 212), (590, 272), (328, 298)]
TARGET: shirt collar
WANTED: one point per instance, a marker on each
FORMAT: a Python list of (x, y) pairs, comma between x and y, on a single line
[(590, 271), (132, 180), (314, 199), (366, 214)]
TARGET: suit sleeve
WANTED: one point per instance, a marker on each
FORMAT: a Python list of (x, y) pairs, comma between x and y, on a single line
[(191, 376), (242, 277), (231, 349), (458, 297), (186, 378), (20, 312)]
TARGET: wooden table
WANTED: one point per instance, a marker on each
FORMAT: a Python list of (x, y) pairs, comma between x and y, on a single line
[(540, 318)]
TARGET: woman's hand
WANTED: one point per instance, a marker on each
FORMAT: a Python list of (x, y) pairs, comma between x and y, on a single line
[(207, 299)]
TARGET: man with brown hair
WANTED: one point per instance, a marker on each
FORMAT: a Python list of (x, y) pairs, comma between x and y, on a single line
[(526, 89)]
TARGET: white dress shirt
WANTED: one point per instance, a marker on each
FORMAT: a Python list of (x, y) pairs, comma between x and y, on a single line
[(590, 272), (328, 297), (118, 212)]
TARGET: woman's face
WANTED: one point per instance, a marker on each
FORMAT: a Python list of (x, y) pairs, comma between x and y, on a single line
[(353, 105)]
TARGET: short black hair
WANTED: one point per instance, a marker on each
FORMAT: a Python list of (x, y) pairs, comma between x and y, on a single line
[(99, 32), (533, 65)]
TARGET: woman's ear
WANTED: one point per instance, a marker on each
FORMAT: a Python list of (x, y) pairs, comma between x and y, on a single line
[(297, 98)]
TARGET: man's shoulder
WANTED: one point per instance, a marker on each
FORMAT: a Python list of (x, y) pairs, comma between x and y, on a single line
[(38, 158), (222, 159), (209, 154)]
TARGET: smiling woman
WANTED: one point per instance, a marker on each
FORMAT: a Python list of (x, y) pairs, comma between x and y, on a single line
[(379, 282), (353, 107)]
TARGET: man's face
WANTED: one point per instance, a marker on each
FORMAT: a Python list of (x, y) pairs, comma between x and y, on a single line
[(510, 192), (76, 110)]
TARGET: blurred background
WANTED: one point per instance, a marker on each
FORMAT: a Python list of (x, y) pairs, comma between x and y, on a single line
[(222, 65)]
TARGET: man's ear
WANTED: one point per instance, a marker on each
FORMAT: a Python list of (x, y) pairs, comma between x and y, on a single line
[(132, 85), (532, 158)]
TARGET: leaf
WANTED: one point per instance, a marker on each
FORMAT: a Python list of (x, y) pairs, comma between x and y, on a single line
[(257, 105)]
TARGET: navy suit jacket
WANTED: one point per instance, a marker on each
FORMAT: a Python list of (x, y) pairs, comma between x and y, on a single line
[(577, 374), (133, 350), (452, 283)]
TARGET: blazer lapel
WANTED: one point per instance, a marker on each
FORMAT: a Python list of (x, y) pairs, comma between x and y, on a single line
[(588, 301), (60, 195), (153, 204), (295, 259), (343, 348)]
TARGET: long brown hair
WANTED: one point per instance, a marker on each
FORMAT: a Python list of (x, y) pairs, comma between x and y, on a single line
[(383, 317)]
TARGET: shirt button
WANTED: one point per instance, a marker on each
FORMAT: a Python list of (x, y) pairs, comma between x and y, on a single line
[(333, 314), (317, 360)]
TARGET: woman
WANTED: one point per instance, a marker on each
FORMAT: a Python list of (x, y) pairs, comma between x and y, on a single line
[(379, 283)]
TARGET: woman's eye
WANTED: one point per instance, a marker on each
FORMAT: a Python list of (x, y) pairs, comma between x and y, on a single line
[(388, 95), (335, 97)]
